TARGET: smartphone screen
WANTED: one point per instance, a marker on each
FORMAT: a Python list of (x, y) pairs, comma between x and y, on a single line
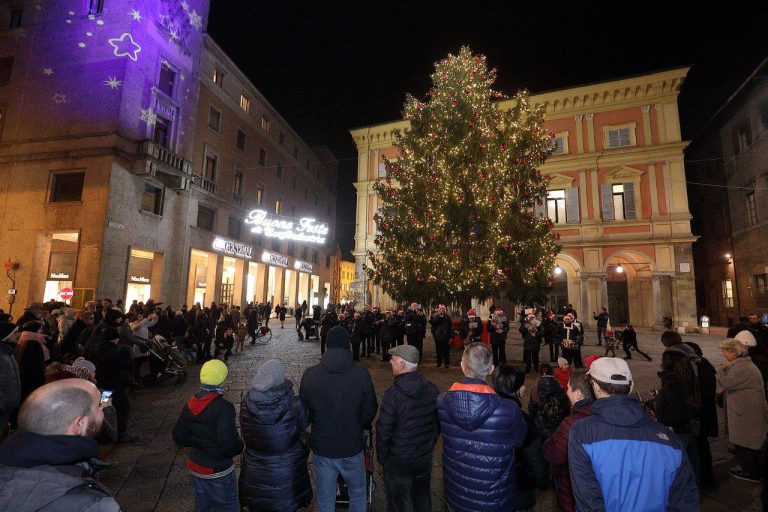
[(106, 395)]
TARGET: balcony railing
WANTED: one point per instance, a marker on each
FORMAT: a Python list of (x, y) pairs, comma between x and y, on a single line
[(165, 157), (208, 185), (237, 199)]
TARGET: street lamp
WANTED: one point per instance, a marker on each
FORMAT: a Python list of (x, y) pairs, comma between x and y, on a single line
[(619, 269), (558, 270)]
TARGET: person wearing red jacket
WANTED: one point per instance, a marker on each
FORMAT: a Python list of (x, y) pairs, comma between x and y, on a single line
[(555, 448)]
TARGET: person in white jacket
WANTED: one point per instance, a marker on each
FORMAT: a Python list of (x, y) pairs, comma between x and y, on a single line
[(140, 328), (65, 321)]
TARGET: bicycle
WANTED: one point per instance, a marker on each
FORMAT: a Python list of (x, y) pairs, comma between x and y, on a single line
[(263, 335)]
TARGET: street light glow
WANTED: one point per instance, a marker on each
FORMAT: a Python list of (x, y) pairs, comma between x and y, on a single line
[(619, 269)]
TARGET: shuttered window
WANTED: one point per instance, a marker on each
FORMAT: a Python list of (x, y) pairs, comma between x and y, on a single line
[(619, 138), (618, 201)]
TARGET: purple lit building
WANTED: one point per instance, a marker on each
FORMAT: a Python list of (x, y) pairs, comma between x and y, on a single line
[(105, 187)]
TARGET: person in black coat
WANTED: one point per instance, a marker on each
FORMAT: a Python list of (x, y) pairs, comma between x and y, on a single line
[(388, 332), (359, 329), (341, 401), (415, 327), (442, 332), (274, 474), (328, 321), (707, 416), (114, 371), (406, 433), (10, 381)]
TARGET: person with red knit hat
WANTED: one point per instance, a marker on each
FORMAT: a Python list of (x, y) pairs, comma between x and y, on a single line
[(471, 328)]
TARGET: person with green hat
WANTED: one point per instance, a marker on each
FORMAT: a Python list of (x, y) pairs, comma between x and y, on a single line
[(207, 425)]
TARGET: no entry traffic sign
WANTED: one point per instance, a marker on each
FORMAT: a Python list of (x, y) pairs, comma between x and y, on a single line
[(66, 293)]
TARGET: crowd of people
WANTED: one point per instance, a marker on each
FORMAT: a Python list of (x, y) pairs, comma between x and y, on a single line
[(580, 429)]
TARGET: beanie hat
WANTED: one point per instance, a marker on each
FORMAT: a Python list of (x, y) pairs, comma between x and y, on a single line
[(589, 360), (6, 329), (85, 364), (471, 313), (110, 334), (271, 374), (746, 338), (561, 361), (213, 373), (568, 317), (111, 315), (338, 337)]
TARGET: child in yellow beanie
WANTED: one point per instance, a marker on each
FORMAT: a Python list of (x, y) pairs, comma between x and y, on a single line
[(207, 425)]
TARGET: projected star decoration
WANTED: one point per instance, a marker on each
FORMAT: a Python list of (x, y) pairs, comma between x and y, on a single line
[(148, 116), (135, 15), (125, 46), (59, 98), (47, 71), (195, 20), (113, 82)]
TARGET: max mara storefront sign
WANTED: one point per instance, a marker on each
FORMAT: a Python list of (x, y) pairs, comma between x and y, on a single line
[(287, 228)]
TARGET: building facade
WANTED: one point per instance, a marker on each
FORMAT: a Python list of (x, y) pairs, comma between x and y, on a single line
[(729, 175), (616, 198), (117, 180), (347, 273)]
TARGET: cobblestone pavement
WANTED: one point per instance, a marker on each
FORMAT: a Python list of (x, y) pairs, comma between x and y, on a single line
[(151, 474)]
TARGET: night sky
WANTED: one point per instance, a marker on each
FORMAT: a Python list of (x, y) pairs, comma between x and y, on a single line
[(331, 65)]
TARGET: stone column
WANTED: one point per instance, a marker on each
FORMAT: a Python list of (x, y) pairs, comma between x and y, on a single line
[(219, 270), (656, 298), (584, 307), (603, 292), (241, 276)]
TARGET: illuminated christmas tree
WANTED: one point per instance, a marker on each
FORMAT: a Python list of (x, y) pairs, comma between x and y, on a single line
[(457, 215)]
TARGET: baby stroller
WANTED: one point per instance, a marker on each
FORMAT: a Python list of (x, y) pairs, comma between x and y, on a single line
[(342, 496), (165, 360)]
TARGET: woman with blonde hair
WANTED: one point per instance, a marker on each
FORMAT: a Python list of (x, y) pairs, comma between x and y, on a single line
[(746, 411)]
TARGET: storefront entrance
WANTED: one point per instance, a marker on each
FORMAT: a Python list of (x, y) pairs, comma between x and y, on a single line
[(61, 265), (139, 286)]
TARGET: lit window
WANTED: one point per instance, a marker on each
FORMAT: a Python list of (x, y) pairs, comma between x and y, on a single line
[(728, 293), (67, 187), (619, 138), (238, 184), (218, 77), (277, 206), (259, 195), (240, 140), (152, 199), (751, 209), (556, 206), (245, 103), (265, 123), (619, 211), (214, 119)]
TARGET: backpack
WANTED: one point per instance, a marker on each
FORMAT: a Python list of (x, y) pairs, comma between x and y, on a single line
[(550, 413)]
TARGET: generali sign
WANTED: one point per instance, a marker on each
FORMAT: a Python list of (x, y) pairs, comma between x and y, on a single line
[(233, 248), (287, 228), (274, 259)]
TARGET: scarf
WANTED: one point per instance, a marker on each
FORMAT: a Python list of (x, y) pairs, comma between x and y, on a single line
[(212, 389)]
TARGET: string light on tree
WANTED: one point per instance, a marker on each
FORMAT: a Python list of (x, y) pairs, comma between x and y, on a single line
[(457, 205)]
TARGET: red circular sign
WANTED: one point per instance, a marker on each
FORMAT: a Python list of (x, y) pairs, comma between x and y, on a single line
[(66, 293)]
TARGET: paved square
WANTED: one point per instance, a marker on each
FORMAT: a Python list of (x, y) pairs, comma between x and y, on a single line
[(152, 475)]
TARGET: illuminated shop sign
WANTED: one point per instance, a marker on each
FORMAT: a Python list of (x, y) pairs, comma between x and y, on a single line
[(287, 228), (274, 259), (58, 276), (139, 279), (303, 266), (233, 248)]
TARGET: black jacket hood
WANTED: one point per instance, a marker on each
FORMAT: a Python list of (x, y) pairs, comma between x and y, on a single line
[(336, 360), (27, 449), (411, 383)]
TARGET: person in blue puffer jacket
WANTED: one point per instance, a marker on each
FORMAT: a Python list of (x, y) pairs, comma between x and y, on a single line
[(480, 433), (274, 474), (621, 460)]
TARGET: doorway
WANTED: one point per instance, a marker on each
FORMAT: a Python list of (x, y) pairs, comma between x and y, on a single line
[(618, 298)]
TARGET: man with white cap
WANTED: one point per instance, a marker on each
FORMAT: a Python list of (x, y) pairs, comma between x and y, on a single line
[(619, 458)]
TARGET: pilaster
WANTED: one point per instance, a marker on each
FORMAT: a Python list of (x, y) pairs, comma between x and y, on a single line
[(579, 134), (590, 132)]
